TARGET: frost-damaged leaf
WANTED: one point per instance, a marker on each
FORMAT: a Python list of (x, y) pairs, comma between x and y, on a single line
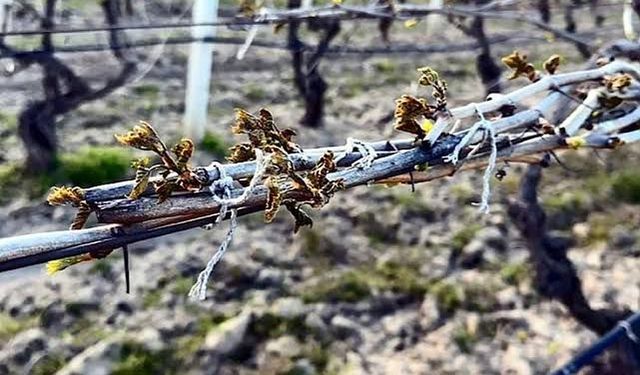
[(617, 82), (164, 189), (317, 177), (142, 137), (429, 77), (552, 64), (302, 218), (59, 196), (74, 196), (183, 151), (408, 110), (262, 131), (241, 152), (520, 67), (142, 178), (279, 162), (274, 197), (249, 8), (58, 265)]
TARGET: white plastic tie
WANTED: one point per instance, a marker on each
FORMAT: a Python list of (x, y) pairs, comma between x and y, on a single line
[(251, 35)]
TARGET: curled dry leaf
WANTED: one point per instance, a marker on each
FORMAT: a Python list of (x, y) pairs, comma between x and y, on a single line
[(429, 77), (142, 178), (301, 218), (262, 131), (74, 196), (408, 112), (59, 196), (241, 152), (183, 151), (520, 67), (274, 196), (142, 137), (617, 82), (551, 64)]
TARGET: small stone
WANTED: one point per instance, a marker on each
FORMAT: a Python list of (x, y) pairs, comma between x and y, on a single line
[(53, 317), (98, 359), (289, 307), (228, 337), (493, 238), (270, 277), (303, 366), (622, 238), (315, 322), (151, 339), (27, 343), (285, 346), (344, 327)]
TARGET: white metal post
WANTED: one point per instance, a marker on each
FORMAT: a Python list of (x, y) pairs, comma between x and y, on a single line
[(199, 70)]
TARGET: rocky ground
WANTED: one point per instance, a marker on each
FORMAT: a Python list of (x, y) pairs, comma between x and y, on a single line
[(386, 282)]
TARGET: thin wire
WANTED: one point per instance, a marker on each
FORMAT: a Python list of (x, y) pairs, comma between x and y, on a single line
[(312, 14)]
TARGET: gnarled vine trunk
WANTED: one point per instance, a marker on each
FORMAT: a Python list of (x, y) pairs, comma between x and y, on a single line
[(63, 90)]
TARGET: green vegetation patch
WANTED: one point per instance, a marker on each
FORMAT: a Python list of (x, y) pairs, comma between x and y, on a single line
[(462, 237), (8, 121), (50, 364), (10, 326), (135, 359), (214, 144), (514, 273), (272, 326), (95, 165), (625, 187), (358, 284)]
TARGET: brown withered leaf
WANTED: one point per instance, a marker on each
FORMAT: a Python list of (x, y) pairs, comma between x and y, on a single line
[(609, 102), (430, 77), (274, 197), (189, 181), (301, 218), (617, 82), (262, 130), (59, 196), (164, 189), (183, 151), (546, 126), (520, 67), (248, 8), (279, 161), (241, 152), (140, 184), (408, 110), (552, 64), (142, 178), (142, 137), (317, 177)]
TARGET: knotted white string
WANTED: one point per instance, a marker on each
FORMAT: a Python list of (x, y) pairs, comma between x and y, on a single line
[(485, 126), (199, 289), (488, 173), (225, 184), (369, 154)]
